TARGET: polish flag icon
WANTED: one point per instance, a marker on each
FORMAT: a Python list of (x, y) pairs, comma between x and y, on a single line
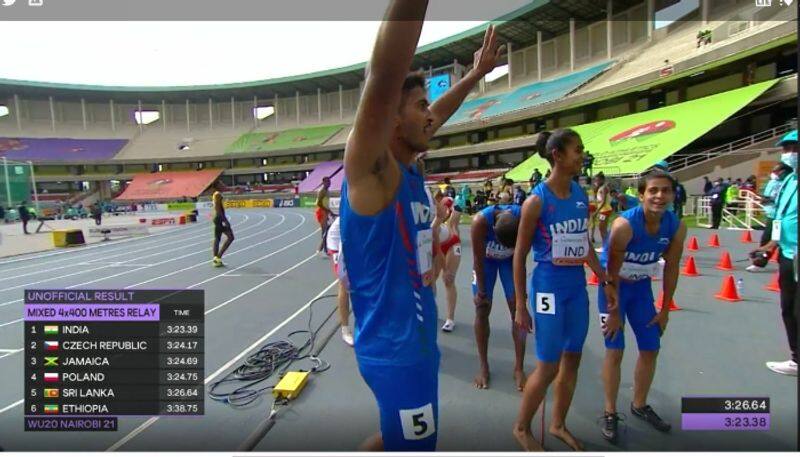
[(51, 377)]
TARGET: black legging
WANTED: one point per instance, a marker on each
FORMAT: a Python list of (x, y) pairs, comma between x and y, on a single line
[(789, 299)]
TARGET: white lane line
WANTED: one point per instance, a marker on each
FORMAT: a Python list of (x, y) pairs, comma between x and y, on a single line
[(248, 248), (10, 353), (224, 304), (10, 322), (144, 426), (258, 286), (166, 235), (155, 254), (8, 350), (11, 406), (138, 258), (138, 249), (201, 263)]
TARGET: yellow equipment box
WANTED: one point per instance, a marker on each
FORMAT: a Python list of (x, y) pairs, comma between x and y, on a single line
[(290, 385), (68, 237)]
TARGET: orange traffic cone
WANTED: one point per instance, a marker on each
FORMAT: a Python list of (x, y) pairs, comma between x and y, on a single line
[(690, 269), (774, 257), (746, 237), (693, 244), (724, 262), (728, 291), (713, 242), (672, 305), (773, 285), (593, 279)]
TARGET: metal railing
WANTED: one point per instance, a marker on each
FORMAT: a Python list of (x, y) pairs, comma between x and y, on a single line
[(740, 214), (682, 161)]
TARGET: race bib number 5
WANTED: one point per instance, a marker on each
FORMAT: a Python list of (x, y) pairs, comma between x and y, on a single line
[(545, 303), (569, 248), (418, 423), (425, 254)]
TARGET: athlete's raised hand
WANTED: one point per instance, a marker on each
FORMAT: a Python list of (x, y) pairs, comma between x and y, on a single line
[(487, 56)]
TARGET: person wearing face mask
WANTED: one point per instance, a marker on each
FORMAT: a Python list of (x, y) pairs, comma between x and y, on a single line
[(784, 237), (771, 190)]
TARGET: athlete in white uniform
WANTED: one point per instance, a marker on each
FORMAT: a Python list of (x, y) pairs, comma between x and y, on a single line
[(334, 246)]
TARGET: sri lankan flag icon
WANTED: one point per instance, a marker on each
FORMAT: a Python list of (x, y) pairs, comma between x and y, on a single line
[(51, 409), (51, 393)]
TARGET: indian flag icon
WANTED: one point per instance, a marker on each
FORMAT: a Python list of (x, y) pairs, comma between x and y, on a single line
[(51, 409), (50, 377), (51, 329), (51, 393)]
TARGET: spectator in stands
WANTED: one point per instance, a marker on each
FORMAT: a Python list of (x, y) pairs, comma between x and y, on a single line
[(508, 187), (717, 194), (680, 199), (480, 200), (24, 216), (536, 178), (588, 163), (706, 185), (449, 190), (462, 200)]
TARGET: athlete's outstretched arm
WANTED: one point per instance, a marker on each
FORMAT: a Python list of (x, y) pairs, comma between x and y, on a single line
[(478, 231), (388, 67), (621, 234), (531, 211), (672, 257), (485, 60)]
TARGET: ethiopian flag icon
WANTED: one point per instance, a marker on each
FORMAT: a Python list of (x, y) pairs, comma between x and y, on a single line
[(51, 329), (51, 409), (51, 393)]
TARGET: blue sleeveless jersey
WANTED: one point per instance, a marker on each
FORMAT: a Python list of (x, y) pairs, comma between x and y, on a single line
[(395, 315), (644, 249), (495, 250), (560, 216)]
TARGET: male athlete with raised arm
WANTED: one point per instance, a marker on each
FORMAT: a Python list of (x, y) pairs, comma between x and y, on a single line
[(387, 242)]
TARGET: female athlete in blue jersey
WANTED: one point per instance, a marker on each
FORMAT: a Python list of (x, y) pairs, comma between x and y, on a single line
[(554, 220), (494, 234), (639, 237), (387, 241)]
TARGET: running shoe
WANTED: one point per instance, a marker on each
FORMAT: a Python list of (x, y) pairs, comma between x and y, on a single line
[(347, 336), (754, 268), (217, 262), (788, 367), (610, 427), (448, 326), (647, 414)]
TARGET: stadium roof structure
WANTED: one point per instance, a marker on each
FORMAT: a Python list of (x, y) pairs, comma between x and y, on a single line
[(519, 27)]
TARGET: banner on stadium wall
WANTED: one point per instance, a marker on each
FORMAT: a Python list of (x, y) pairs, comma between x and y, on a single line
[(186, 206), (209, 205), (633, 143), (308, 202), (264, 203)]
